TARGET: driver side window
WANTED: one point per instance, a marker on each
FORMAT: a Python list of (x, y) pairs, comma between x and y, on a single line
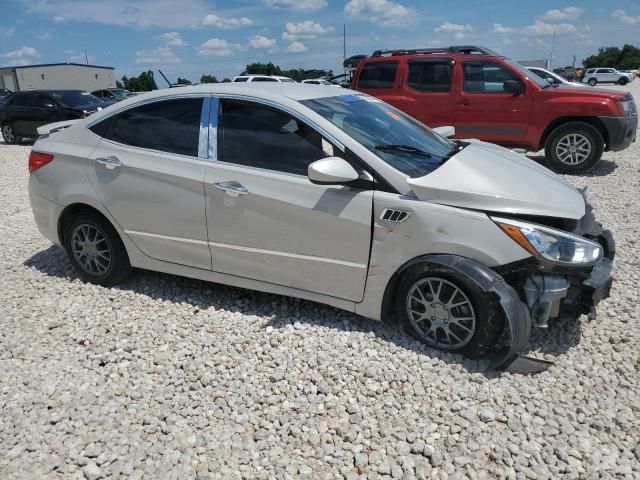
[(486, 77), (258, 136)]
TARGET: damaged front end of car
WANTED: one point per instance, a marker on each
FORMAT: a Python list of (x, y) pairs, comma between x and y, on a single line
[(568, 274)]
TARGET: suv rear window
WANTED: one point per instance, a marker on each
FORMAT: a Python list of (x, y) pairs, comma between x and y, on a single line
[(430, 76), (378, 75)]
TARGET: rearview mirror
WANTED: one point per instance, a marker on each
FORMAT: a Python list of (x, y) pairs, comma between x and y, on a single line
[(446, 132), (513, 86), (331, 171)]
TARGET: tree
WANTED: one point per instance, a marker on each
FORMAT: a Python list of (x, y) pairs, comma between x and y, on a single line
[(119, 84), (206, 78), (626, 59), (271, 69), (183, 81), (142, 83), (226, 80)]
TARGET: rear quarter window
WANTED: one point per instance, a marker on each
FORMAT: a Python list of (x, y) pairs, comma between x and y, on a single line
[(378, 75)]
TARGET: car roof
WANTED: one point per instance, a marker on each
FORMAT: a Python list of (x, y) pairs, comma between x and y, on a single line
[(50, 90), (293, 91)]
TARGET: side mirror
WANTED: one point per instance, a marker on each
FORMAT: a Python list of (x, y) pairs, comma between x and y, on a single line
[(331, 171), (513, 86), (49, 105), (447, 132)]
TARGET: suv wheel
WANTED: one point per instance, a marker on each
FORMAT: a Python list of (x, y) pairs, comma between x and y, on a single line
[(95, 250), (592, 82), (623, 80), (574, 148), (445, 310), (9, 134)]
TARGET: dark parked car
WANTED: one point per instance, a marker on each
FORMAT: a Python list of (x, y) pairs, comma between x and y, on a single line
[(113, 94), (24, 112)]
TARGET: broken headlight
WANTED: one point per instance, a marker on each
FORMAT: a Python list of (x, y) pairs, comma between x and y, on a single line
[(553, 245)]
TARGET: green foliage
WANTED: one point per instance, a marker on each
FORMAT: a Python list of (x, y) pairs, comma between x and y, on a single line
[(119, 84), (207, 78), (183, 81), (271, 69), (627, 58), (142, 83), (226, 80)]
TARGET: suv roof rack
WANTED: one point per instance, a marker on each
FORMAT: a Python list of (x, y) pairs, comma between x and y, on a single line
[(459, 49)]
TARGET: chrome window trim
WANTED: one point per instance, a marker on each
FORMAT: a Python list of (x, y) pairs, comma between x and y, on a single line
[(203, 137)]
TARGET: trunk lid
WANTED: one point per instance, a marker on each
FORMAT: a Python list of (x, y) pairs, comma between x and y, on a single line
[(487, 177)]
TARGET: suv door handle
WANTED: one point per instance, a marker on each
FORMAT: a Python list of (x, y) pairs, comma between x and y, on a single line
[(232, 188), (110, 162), (464, 101)]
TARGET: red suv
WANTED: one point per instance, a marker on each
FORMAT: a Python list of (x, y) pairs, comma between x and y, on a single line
[(489, 97)]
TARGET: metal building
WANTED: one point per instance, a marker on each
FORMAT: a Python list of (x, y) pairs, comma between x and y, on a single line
[(57, 75)]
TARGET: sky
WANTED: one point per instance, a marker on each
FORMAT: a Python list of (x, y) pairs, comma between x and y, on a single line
[(188, 38)]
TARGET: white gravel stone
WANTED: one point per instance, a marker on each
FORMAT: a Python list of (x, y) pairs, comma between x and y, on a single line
[(167, 377)]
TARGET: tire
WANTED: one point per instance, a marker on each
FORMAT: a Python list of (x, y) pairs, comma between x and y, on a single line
[(623, 81), (569, 143), (9, 134), (593, 82), (92, 263), (484, 331)]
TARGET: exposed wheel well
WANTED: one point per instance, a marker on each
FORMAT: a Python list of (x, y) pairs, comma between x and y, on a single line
[(72, 210), (593, 121)]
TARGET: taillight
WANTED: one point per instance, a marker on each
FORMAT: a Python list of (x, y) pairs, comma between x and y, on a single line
[(38, 159)]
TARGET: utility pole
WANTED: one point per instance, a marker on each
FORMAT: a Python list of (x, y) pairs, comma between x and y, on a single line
[(574, 62), (553, 44), (344, 45), (86, 58)]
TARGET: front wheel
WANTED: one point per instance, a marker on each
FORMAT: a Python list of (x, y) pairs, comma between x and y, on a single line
[(574, 148), (623, 81), (446, 310), (9, 134), (593, 82), (95, 250)]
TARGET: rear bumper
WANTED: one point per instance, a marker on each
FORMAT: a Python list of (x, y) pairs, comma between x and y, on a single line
[(621, 131), (45, 214)]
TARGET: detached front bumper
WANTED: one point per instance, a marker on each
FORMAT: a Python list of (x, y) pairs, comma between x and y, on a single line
[(621, 131), (597, 286)]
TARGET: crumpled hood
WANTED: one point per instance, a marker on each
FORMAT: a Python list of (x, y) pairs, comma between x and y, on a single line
[(488, 177)]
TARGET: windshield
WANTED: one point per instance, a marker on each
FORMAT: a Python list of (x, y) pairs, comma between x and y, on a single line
[(541, 82), (76, 98), (402, 142)]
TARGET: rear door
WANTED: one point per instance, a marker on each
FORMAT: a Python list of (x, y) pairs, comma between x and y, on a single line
[(484, 110), (267, 221), (378, 78), (148, 171), (20, 113)]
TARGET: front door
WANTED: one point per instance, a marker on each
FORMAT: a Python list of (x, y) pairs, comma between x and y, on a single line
[(484, 110), (148, 171), (267, 221)]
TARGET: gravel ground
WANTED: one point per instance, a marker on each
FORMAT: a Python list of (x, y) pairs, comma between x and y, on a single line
[(166, 377)]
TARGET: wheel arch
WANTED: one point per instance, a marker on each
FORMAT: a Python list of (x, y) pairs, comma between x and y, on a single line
[(558, 122), (515, 313), (74, 209)]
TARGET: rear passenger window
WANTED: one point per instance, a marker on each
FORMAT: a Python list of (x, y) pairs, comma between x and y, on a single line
[(430, 76), (486, 77), (378, 75), (171, 126), (21, 100), (261, 137)]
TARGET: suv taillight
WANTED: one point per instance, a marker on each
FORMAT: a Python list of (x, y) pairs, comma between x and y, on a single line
[(38, 159)]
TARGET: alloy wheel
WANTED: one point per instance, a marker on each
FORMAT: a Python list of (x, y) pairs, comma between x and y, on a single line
[(91, 249), (573, 149), (7, 133), (441, 313)]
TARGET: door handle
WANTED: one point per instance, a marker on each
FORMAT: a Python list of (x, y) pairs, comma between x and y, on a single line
[(464, 102), (110, 162), (232, 188)]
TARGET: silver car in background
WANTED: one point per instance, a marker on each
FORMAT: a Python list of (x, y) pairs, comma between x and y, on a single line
[(328, 195)]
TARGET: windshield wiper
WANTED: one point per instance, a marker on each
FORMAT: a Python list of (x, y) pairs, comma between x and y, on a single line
[(408, 149)]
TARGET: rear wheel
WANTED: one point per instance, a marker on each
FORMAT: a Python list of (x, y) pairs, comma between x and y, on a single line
[(9, 134), (592, 82), (445, 310), (574, 148), (95, 250)]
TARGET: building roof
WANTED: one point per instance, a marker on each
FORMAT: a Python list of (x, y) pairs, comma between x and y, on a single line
[(18, 67)]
